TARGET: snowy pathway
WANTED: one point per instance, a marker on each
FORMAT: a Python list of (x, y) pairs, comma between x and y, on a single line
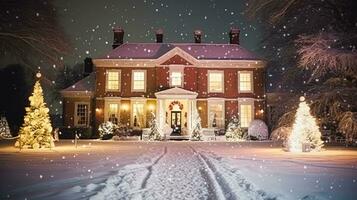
[(179, 172)]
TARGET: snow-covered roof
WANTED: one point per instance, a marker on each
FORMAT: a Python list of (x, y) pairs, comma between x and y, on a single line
[(200, 51), (84, 86)]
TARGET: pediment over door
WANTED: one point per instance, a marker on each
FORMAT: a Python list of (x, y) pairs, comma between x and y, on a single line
[(176, 60)]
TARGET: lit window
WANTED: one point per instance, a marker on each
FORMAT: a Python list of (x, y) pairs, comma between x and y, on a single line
[(113, 113), (138, 114), (81, 115), (245, 82), (215, 81), (246, 116), (176, 79), (139, 81), (216, 114), (113, 80)]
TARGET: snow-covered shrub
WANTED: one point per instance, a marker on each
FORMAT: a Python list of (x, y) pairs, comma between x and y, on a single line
[(107, 128), (281, 134), (234, 131), (258, 129), (197, 130), (154, 132)]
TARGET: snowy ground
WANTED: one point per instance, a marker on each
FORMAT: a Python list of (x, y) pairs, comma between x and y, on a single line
[(176, 170)]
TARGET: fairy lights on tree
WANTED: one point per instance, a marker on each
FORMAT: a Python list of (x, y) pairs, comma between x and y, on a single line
[(36, 130), (305, 134)]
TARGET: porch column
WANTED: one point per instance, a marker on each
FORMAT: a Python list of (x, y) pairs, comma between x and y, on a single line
[(160, 114), (191, 110), (189, 116)]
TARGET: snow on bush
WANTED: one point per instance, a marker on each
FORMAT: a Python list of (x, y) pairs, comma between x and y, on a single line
[(154, 132), (281, 134), (197, 130), (258, 129), (107, 128), (234, 131)]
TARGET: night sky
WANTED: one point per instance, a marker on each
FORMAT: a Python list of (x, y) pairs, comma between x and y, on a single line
[(89, 23)]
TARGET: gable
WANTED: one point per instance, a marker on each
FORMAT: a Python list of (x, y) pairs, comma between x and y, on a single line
[(176, 60)]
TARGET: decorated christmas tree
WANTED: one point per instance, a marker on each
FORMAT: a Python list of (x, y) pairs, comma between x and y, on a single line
[(197, 130), (305, 135), (154, 133), (4, 128), (234, 131), (36, 130)]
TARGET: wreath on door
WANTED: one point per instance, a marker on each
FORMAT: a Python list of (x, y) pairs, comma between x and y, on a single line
[(171, 106)]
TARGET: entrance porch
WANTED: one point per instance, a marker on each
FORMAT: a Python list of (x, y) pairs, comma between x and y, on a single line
[(174, 111)]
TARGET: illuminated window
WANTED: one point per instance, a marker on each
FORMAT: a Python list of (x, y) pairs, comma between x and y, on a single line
[(81, 114), (113, 113), (246, 81), (216, 114), (215, 81), (176, 79), (138, 80), (246, 114), (113, 80), (138, 114)]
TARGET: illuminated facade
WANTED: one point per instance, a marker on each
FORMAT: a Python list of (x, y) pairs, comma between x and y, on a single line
[(171, 80)]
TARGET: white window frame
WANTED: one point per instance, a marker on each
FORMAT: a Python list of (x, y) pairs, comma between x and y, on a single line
[(251, 81), (176, 69), (209, 81), (75, 117), (106, 80), (107, 103), (132, 81), (209, 117), (246, 102), (132, 102)]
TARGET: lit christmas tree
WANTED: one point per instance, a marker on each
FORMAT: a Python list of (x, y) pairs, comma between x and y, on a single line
[(305, 132), (36, 130), (4, 128), (197, 130), (234, 131), (155, 133)]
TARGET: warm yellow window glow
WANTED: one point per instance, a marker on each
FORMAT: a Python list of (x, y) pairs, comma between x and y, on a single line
[(139, 80), (215, 81), (113, 113), (216, 114), (176, 79), (245, 115), (113, 80), (245, 81), (138, 114)]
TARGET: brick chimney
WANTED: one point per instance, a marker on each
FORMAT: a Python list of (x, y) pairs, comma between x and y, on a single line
[(159, 35), (88, 66), (197, 35), (118, 37), (234, 36)]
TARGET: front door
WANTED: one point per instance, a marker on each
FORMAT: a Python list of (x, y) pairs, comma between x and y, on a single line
[(176, 122)]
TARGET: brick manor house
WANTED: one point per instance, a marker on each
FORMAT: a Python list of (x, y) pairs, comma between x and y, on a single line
[(171, 80)]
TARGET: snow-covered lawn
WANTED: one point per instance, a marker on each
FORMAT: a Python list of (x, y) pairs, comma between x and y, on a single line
[(176, 170)]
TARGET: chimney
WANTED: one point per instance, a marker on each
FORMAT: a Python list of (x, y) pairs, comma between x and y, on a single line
[(88, 66), (197, 36), (234, 36), (118, 37), (159, 35)]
